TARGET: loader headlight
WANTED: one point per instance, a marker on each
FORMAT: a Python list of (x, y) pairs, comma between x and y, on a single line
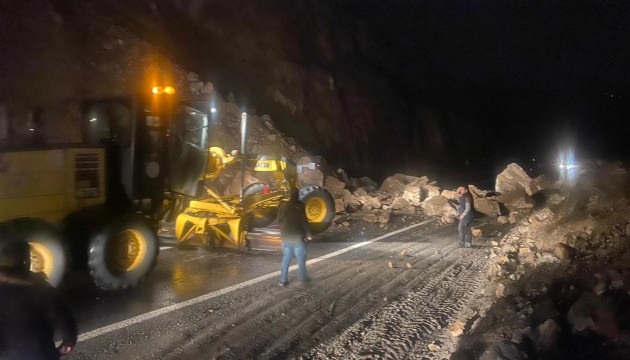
[(159, 90)]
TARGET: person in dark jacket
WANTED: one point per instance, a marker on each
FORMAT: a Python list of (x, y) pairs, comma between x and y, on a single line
[(465, 217), (31, 313), (294, 232)]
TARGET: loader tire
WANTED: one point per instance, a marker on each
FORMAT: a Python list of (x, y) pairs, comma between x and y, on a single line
[(122, 253), (262, 217), (48, 255), (319, 207)]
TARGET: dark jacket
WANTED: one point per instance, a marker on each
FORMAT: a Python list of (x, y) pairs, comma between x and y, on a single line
[(293, 223), (31, 313), (464, 199)]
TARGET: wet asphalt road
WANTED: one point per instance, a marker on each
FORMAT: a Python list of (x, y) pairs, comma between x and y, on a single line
[(182, 275)]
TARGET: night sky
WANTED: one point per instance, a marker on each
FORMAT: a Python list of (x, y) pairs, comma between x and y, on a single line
[(510, 80)]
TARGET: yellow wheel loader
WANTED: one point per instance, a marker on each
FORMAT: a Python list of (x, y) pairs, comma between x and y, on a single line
[(94, 205), (224, 221)]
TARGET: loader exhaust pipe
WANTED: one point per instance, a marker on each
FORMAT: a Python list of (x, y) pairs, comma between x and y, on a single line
[(243, 150)]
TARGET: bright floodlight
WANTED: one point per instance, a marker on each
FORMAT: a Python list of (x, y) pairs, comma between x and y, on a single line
[(213, 110), (568, 167)]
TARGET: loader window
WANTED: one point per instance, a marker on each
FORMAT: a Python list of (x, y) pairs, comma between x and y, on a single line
[(188, 144), (109, 124), (108, 121)]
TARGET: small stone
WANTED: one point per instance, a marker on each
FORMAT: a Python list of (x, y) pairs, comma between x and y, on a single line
[(408, 266), (476, 232), (500, 291), (616, 284), (192, 77), (506, 351), (390, 264), (207, 88), (346, 224), (529, 310), (503, 219), (405, 252), (548, 335), (434, 347), (195, 87), (565, 252), (456, 329)]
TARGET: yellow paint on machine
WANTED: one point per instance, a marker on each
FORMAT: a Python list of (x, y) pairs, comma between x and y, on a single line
[(50, 184)]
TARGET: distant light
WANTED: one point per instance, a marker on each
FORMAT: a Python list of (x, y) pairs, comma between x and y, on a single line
[(31, 129), (93, 119), (533, 159), (213, 110), (169, 90), (244, 114), (157, 90)]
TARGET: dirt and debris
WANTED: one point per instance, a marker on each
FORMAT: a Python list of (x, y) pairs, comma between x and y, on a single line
[(558, 281)]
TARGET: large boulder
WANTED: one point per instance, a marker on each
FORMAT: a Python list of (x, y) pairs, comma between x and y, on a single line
[(309, 172), (512, 178), (334, 186), (475, 192), (438, 206), (430, 191), (516, 200), (392, 185), (486, 206), (400, 203), (396, 183), (370, 201), (449, 194), (368, 183), (539, 184), (340, 206), (413, 193)]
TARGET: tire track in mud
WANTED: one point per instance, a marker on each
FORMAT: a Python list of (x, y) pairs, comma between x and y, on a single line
[(348, 292), (407, 325), (351, 302), (277, 327)]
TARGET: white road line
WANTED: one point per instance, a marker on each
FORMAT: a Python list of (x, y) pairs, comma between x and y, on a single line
[(168, 309)]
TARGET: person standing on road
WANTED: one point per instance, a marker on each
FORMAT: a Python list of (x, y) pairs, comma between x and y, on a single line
[(294, 232), (465, 216), (31, 313)]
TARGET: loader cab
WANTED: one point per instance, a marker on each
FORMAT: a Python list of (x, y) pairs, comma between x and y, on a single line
[(134, 132)]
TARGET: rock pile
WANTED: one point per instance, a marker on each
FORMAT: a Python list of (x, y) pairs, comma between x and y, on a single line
[(562, 272)]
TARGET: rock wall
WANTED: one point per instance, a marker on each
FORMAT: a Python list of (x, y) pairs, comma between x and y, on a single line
[(311, 68)]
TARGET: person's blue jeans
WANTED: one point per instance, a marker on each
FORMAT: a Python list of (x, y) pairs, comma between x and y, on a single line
[(465, 236), (288, 250)]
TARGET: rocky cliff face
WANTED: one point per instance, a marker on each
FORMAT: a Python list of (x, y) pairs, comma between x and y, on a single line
[(310, 65)]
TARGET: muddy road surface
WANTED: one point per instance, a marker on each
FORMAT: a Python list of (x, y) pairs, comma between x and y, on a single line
[(375, 293)]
